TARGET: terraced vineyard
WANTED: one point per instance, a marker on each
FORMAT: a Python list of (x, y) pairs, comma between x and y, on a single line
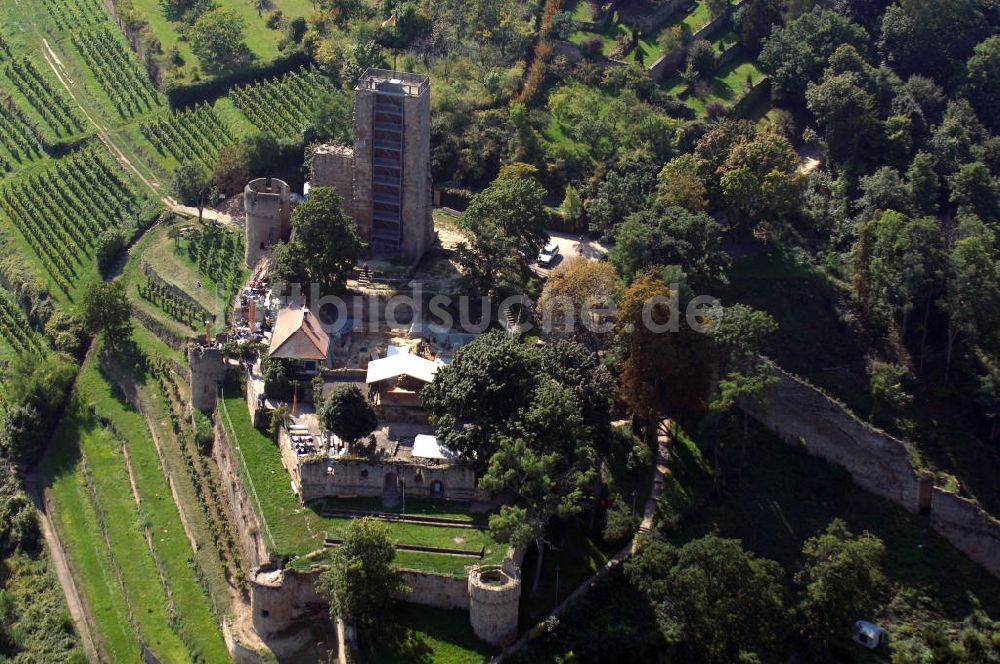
[(48, 100), (192, 134), (281, 106), (67, 14), (117, 70), (218, 254), (14, 328), (18, 141), (61, 211)]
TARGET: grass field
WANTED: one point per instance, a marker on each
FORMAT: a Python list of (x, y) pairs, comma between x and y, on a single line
[(429, 635), (726, 87), (263, 42), (175, 621)]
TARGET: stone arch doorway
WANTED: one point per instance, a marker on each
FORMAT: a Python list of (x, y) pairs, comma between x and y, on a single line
[(390, 490)]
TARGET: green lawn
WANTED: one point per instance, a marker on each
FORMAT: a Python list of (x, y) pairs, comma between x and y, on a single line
[(437, 508), (428, 635), (263, 41), (294, 528), (76, 521), (727, 86)]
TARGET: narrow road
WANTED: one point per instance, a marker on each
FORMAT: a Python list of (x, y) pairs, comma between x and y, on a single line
[(63, 574), (663, 438)]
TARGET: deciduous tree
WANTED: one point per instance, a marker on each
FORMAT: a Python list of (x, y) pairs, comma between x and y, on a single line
[(324, 247), (362, 578), (347, 413), (714, 599), (106, 312), (506, 228), (840, 582), (218, 41)]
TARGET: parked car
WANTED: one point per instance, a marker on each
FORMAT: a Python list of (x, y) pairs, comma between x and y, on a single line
[(869, 634), (548, 254)]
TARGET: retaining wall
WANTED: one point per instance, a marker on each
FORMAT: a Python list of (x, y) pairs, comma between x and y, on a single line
[(801, 414), (149, 271), (663, 14)]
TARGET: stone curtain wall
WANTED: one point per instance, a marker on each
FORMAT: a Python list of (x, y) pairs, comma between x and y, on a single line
[(443, 592), (252, 547), (800, 414), (968, 527)]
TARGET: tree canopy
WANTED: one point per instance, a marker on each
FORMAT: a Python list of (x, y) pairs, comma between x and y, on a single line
[(363, 577), (506, 228), (347, 413), (324, 247)]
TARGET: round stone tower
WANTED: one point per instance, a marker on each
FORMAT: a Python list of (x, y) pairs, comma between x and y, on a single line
[(268, 204), (208, 369), (493, 603)]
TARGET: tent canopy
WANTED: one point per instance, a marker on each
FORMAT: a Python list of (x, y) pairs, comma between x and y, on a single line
[(400, 362)]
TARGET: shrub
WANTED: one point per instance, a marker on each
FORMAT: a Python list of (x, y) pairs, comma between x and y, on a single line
[(110, 245), (701, 58), (591, 47), (715, 109), (204, 434)]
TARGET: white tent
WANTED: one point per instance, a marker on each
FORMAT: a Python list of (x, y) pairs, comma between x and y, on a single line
[(427, 447), (401, 362)]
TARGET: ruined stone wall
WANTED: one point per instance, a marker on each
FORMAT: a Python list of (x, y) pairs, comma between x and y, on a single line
[(176, 291), (333, 166), (324, 477), (800, 414), (427, 589), (662, 14), (968, 527), (282, 598), (252, 548)]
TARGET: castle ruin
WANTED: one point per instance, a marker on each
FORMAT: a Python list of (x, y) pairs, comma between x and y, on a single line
[(269, 216)]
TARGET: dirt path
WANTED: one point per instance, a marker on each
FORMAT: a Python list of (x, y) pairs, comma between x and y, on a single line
[(154, 186), (77, 610), (663, 438)]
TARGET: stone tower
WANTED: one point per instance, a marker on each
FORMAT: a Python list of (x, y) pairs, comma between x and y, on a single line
[(386, 179), (493, 604), (268, 206), (208, 369), (333, 166)]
